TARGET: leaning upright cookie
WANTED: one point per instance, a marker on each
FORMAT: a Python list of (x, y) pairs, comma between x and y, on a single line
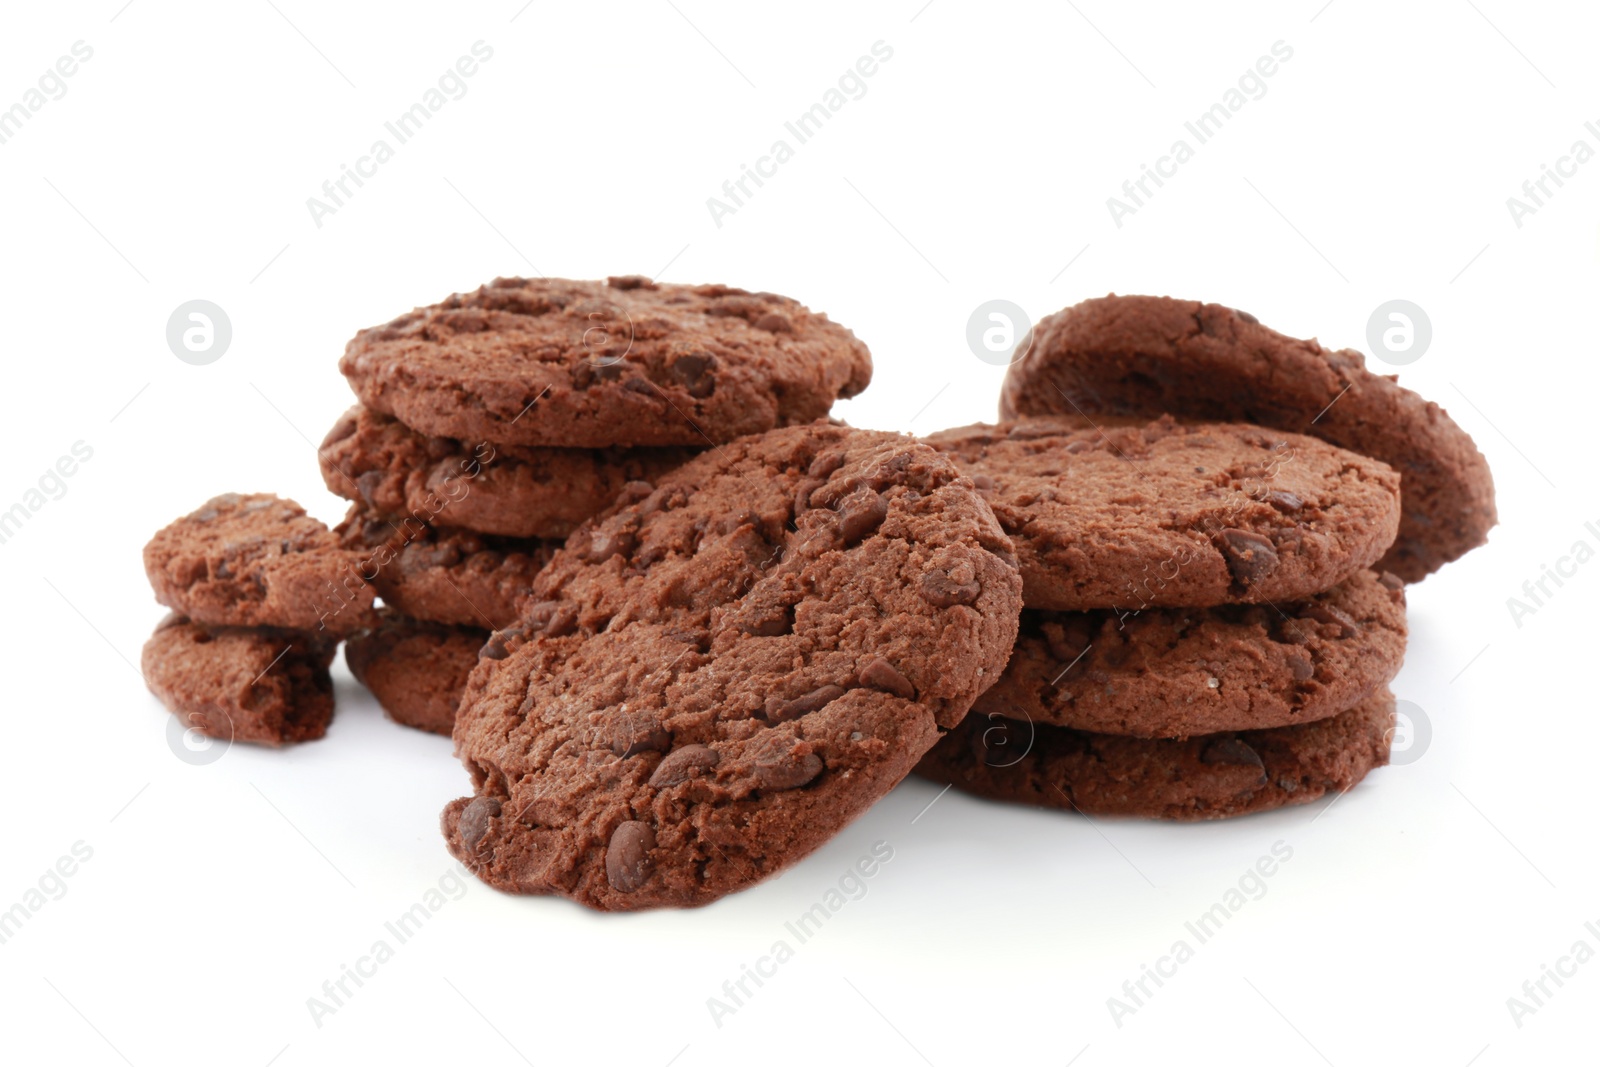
[(556, 363), (720, 672), (1147, 355)]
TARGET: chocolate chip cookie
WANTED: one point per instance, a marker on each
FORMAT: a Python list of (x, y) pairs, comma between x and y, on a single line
[(575, 364), (262, 686), (1146, 355), (494, 489), (1206, 777), (1170, 515), (417, 670), (443, 574), (719, 672), (258, 560), (1177, 672)]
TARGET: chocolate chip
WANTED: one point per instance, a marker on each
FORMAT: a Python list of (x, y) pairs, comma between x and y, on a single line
[(983, 483), (1391, 582), (495, 647), (439, 554), (1299, 667), (474, 824), (633, 733), (860, 513), (1285, 501), (779, 710), (1233, 752), (1250, 557), (825, 464), (1246, 316), (940, 590), (628, 862), (772, 322), (368, 484), (1327, 613), (552, 618), (682, 764), (630, 281), (695, 371), (802, 495), (605, 543), (788, 772), (879, 673)]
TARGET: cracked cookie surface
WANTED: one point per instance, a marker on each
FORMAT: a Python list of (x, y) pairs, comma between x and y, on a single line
[(257, 560), (724, 669), (581, 364), (261, 686), (1134, 514)]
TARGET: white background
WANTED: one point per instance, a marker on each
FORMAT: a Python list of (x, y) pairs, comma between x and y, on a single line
[(977, 165)]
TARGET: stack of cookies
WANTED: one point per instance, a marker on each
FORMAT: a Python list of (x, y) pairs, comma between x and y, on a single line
[(1215, 602), (683, 628), (260, 594), (493, 424)]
